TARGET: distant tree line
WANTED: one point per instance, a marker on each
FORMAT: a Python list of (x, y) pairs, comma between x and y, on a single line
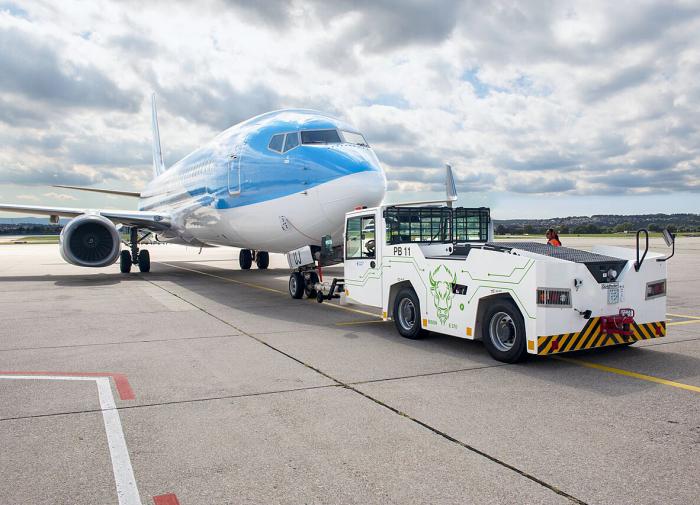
[(30, 229), (583, 225)]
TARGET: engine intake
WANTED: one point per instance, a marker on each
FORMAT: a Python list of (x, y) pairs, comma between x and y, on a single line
[(90, 241)]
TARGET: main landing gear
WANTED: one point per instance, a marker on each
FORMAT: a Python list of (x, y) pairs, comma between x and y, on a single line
[(246, 258), (134, 256)]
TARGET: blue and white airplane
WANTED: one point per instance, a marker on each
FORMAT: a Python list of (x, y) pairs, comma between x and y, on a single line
[(273, 183)]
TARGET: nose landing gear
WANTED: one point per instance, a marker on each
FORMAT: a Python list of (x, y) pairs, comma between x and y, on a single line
[(134, 256)]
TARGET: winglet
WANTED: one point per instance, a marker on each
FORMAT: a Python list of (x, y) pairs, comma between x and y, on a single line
[(450, 187), (158, 166)]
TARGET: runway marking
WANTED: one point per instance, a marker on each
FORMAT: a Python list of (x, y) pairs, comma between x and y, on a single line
[(265, 288), (127, 491), (681, 315), (678, 323), (120, 380), (349, 323), (166, 499), (627, 373)]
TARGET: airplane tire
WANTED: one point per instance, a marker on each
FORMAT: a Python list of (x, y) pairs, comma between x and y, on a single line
[(503, 332), (407, 315), (245, 259), (262, 260), (296, 285), (144, 261), (125, 262)]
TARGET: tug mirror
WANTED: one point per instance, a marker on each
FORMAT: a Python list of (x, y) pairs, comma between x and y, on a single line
[(669, 238)]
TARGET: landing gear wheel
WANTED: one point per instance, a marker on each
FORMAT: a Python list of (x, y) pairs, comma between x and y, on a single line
[(262, 260), (407, 315), (503, 332), (310, 283), (125, 262), (144, 261), (296, 285), (245, 259)]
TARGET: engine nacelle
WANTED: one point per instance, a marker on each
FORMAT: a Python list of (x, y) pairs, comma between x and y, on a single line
[(90, 240)]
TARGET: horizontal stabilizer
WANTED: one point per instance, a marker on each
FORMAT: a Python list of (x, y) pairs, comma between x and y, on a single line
[(134, 194)]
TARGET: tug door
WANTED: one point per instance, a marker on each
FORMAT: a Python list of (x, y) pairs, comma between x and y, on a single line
[(362, 266)]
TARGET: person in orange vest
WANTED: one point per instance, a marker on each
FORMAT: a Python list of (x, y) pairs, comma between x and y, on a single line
[(553, 238)]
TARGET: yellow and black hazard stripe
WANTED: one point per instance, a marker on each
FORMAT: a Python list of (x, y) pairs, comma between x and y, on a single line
[(592, 336)]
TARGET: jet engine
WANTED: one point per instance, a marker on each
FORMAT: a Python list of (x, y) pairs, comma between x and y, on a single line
[(90, 240)]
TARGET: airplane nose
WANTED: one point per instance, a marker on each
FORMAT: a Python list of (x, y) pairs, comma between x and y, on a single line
[(366, 188)]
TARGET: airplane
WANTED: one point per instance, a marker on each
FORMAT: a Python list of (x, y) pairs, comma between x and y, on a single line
[(273, 183)]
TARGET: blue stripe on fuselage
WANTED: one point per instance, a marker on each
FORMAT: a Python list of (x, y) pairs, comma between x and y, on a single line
[(264, 174)]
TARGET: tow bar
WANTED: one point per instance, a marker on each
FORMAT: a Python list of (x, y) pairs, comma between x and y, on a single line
[(334, 290)]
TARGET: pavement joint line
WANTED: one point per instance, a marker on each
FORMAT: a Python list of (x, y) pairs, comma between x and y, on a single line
[(265, 288), (627, 373), (96, 344), (173, 402), (426, 374), (390, 408)]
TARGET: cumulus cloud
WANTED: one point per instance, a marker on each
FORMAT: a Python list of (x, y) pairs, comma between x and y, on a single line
[(547, 97)]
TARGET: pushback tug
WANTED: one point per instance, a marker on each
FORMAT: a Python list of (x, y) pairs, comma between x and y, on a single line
[(438, 269)]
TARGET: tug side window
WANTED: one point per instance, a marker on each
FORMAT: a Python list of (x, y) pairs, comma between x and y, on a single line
[(359, 238)]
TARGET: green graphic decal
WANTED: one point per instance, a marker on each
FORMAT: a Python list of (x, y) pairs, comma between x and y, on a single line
[(441, 281)]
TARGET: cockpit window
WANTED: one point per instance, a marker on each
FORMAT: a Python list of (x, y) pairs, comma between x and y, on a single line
[(291, 142), (320, 137), (276, 142), (354, 138)]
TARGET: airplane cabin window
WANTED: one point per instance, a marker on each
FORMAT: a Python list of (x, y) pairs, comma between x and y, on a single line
[(320, 137), (354, 138), (291, 142), (276, 142)]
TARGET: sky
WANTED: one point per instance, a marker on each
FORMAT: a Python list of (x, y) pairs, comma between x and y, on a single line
[(543, 108)]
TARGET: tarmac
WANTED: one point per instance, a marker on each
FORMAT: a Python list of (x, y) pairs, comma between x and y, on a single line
[(199, 383)]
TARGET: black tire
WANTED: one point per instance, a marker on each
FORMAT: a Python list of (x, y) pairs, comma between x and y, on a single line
[(319, 297), (309, 288), (245, 259), (296, 285), (262, 260), (407, 315), (503, 332), (125, 262), (144, 261)]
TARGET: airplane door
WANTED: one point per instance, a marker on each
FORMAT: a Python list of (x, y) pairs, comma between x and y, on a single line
[(362, 264), (234, 171)]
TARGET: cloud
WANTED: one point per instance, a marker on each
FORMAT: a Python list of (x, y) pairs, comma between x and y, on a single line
[(594, 98), (33, 69), (59, 196)]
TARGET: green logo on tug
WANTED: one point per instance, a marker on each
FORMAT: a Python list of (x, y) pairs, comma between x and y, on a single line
[(441, 281)]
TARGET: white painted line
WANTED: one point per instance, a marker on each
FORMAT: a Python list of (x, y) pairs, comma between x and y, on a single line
[(127, 491)]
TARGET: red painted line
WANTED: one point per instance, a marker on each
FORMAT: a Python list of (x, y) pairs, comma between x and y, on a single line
[(120, 381), (166, 499)]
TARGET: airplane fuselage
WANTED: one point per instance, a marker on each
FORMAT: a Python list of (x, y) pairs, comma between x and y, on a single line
[(244, 189)]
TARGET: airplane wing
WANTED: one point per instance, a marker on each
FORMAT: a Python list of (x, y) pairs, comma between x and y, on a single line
[(134, 194), (151, 220)]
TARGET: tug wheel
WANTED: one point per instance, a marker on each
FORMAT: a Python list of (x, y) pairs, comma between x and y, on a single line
[(503, 332), (407, 315)]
